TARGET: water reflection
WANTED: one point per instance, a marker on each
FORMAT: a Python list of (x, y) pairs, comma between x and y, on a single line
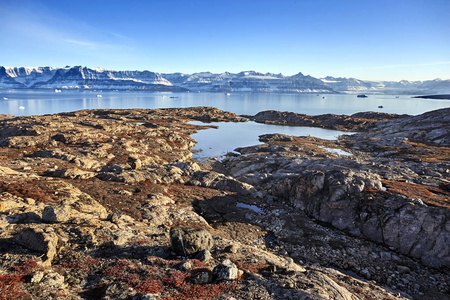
[(229, 136)]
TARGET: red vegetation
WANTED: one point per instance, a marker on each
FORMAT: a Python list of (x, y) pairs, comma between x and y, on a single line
[(187, 290), (26, 268), (430, 195), (10, 287), (252, 268), (87, 264), (10, 284), (34, 189), (108, 194), (156, 278), (197, 263)]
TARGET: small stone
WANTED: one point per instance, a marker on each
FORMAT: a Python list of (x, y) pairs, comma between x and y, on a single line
[(113, 218), (185, 266), (231, 249), (53, 279), (136, 163), (385, 255), (37, 277), (204, 255), (403, 269), (125, 192), (240, 273), (56, 214), (364, 252), (227, 270), (140, 296), (202, 277), (395, 257), (366, 273)]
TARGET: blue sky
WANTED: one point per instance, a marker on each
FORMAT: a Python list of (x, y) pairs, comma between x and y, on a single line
[(372, 40)]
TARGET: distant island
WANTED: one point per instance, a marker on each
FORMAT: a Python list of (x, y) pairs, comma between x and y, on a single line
[(84, 78)]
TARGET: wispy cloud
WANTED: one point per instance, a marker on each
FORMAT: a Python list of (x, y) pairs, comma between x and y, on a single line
[(437, 63), (118, 35), (36, 22), (81, 43)]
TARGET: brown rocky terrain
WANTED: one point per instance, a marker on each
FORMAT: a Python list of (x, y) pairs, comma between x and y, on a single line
[(110, 204)]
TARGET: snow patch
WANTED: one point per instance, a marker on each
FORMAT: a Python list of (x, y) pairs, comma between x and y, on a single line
[(251, 207)]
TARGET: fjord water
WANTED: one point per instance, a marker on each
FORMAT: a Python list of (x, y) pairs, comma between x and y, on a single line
[(39, 102), (229, 135)]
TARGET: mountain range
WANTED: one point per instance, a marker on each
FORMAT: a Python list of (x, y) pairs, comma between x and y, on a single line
[(247, 81)]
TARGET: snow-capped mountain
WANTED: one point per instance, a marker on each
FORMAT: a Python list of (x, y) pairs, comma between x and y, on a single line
[(7, 81), (436, 86), (29, 75), (247, 81), (353, 85), (341, 84), (83, 78)]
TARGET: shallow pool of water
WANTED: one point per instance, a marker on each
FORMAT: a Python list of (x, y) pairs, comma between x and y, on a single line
[(229, 136)]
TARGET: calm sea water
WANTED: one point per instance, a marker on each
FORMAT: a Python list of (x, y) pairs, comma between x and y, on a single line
[(39, 102), (229, 135)]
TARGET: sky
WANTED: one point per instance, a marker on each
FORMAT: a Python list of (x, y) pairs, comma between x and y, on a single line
[(364, 39)]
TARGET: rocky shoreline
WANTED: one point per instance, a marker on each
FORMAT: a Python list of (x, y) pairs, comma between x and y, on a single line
[(110, 204)]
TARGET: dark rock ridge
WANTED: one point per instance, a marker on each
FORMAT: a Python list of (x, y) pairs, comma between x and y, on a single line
[(429, 128), (248, 81), (110, 204), (447, 97), (356, 122)]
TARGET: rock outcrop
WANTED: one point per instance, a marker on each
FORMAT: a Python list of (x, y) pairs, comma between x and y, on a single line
[(356, 122), (110, 204), (347, 192), (432, 128)]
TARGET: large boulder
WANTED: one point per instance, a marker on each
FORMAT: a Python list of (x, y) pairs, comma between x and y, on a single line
[(37, 239), (187, 241)]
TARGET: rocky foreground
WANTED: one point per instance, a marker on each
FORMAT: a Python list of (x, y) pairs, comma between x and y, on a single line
[(109, 204)]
